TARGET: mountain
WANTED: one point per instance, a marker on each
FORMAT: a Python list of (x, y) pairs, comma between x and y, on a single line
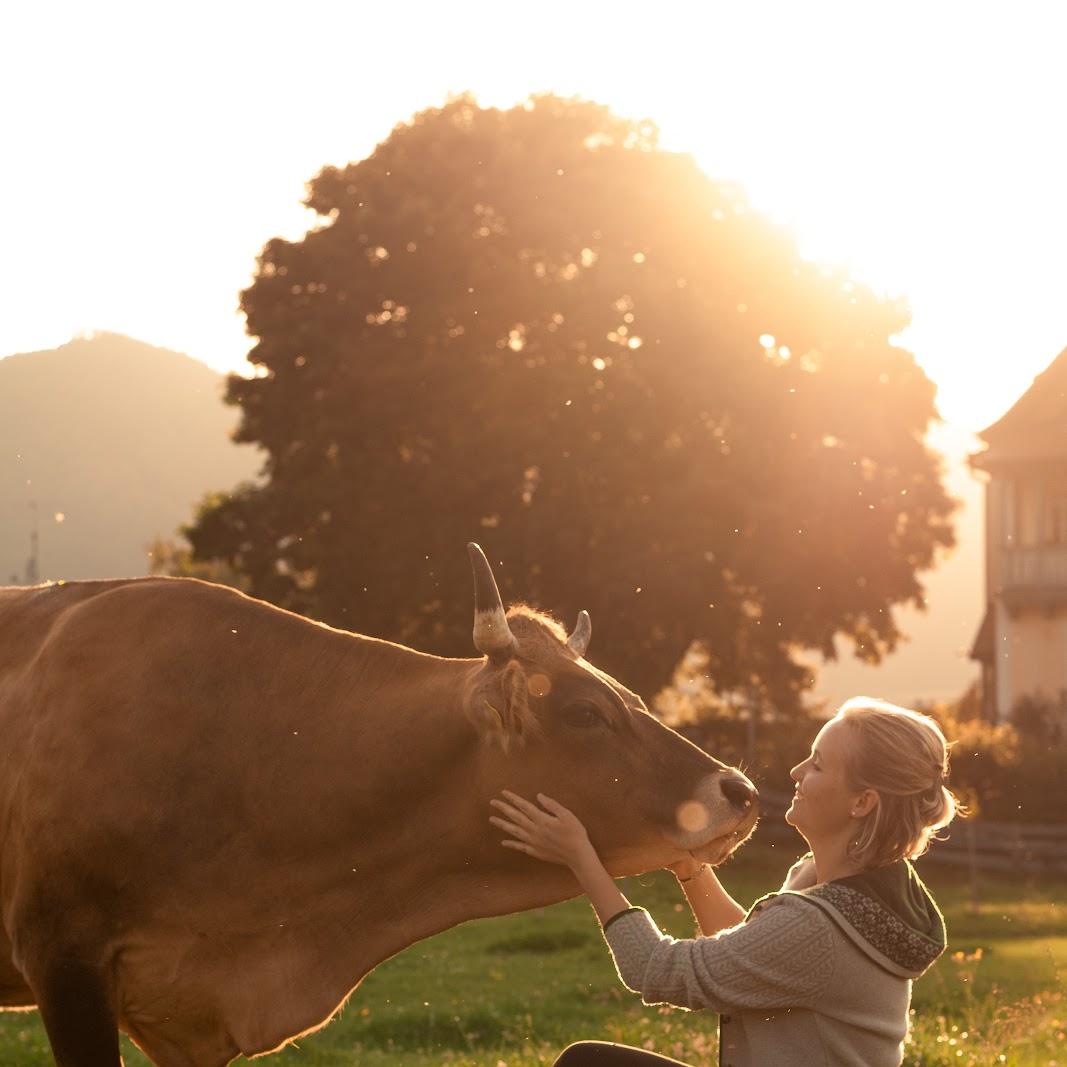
[(110, 442)]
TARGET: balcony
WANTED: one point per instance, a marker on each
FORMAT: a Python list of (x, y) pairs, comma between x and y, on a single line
[(1034, 576)]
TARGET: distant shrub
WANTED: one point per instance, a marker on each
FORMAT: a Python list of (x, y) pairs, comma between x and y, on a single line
[(1014, 771), (1042, 719), (175, 559), (742, 727), (768, 765), (1010, 771)]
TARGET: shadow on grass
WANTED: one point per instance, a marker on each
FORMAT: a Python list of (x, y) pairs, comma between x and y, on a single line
[(410, 1031), (544, 942)]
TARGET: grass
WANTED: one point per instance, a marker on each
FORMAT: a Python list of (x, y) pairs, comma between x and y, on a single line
[(512, 992)]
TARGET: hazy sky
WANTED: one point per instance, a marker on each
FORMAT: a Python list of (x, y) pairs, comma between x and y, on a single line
[(151, 149)]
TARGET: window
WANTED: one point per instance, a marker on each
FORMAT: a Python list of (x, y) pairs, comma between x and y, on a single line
[(1056, 519)]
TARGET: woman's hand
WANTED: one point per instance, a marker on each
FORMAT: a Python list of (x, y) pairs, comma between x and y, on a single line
[(555, 835), (551, 832)]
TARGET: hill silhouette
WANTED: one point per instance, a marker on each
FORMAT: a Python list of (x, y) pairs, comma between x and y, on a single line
[(113, 440)]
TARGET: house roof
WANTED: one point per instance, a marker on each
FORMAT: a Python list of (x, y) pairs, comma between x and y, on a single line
[(1036, 425), (982, 649)]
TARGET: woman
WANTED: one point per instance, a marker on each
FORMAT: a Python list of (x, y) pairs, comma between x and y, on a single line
[(819, 973)]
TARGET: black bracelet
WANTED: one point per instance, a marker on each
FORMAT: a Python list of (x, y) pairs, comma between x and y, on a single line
[(696, 874)]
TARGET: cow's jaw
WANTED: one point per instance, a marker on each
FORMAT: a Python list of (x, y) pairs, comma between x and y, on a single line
[(708, 826), (719, 849)]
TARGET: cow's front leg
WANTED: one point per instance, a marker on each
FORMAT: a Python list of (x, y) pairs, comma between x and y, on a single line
[(78, 1015)]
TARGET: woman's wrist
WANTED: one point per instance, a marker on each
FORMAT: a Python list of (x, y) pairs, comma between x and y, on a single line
[(584, 863), (685, 869), (693, 875)]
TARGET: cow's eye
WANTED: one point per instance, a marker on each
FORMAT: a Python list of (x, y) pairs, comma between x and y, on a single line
[(582, 715)]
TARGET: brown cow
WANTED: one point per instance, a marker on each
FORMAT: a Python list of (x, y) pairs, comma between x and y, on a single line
[(216, 816)]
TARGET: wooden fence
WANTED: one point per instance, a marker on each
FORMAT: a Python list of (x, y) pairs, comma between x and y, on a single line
[(976, 844), (1032, 848)]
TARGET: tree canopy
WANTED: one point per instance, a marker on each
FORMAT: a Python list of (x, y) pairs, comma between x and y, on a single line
[(536, 329)]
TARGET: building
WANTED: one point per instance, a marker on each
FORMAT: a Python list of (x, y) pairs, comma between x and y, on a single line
[(1022, 641)]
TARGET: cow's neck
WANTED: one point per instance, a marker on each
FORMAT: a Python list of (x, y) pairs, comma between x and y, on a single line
[(435, 797), (383, 840), (435, 858)]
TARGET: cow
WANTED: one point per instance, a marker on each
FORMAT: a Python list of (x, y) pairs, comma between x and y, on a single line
[(217, 816)]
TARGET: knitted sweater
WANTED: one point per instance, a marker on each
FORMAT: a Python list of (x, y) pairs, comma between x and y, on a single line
[(813, 977)]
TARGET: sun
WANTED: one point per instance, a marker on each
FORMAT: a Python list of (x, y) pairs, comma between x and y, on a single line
[(951, 200)]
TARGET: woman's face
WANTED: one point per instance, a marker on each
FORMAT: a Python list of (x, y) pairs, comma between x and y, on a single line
[(823, 804)]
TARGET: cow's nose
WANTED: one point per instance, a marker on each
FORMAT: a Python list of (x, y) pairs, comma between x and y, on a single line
[(739, 791)]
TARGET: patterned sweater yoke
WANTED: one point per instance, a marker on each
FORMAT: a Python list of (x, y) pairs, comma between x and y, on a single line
[(817, 975), (876, 929)]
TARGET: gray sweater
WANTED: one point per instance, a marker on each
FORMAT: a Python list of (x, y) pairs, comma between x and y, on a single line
[(813, 977)]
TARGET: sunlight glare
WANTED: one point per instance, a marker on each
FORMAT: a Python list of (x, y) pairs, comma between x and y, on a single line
[(910, 144)]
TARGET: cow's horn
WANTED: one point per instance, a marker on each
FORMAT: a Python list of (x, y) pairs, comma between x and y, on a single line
[(492, 635), (578, 641)]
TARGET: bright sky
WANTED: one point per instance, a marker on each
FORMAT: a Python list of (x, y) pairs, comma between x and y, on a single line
[(151, 149)]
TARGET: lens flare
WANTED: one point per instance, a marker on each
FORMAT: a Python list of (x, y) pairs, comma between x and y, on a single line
[(540, 685), (692, 816)]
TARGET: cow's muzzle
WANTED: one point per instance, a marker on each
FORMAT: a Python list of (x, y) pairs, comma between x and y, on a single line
[(720, 815)]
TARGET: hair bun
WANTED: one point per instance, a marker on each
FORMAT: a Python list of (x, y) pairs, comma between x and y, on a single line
[(903, 756)]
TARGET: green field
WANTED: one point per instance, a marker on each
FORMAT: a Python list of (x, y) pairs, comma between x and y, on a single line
[(511, 992)]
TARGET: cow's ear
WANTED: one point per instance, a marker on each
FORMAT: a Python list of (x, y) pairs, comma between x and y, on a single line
[(500, 706)]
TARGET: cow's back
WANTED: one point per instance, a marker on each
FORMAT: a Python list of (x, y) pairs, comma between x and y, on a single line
[(28, 615), (156, 706), (184, 770), (131, 754), (33, 622), (30, 618)]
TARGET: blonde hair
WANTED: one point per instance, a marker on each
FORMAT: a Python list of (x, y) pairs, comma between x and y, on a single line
[(903, 756)]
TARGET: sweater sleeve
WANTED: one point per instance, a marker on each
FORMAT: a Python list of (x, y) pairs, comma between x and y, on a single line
[(782, 957)]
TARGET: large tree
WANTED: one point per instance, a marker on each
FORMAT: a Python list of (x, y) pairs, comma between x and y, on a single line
[(536, 329)]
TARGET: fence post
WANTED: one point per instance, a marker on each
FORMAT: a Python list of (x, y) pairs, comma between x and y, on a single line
[(970, 831)]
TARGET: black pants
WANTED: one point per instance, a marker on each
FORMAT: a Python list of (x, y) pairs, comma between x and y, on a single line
[(605, 1054)]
